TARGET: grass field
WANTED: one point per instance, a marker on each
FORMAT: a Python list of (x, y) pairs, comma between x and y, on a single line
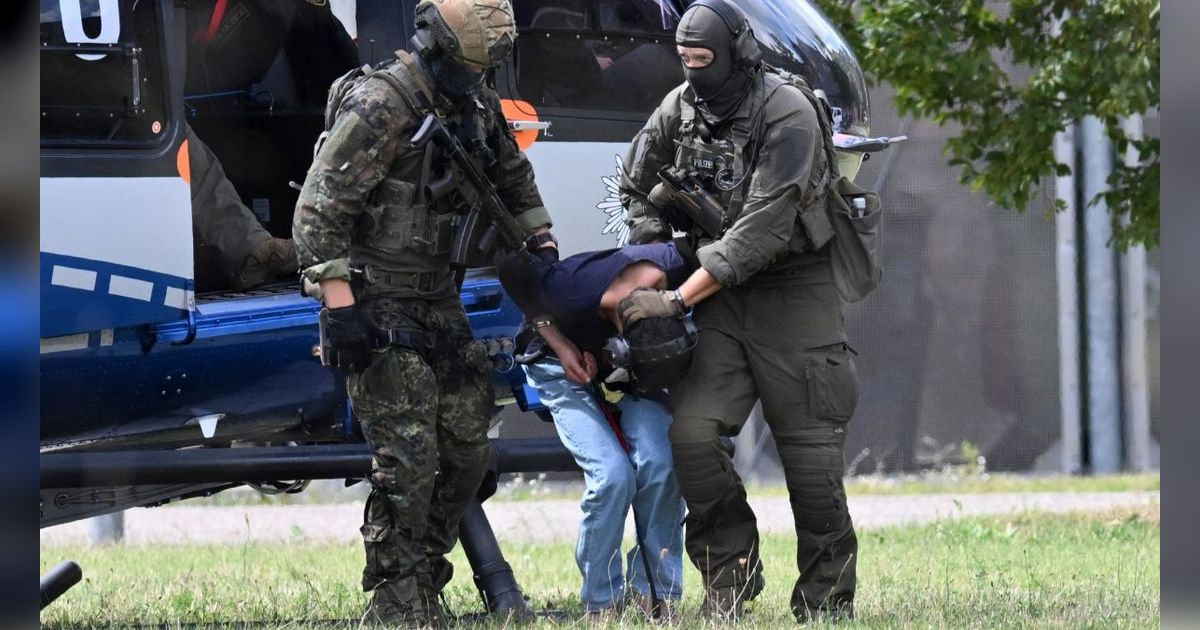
[(1086, 570), (951, 480)]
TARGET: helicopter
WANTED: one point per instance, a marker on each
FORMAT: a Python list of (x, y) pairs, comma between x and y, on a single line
[(159, 381)]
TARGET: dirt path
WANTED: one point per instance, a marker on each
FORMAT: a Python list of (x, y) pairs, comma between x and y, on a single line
[(550, 520)]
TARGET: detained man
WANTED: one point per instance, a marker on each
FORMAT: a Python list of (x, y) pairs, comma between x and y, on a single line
[(579, 360)]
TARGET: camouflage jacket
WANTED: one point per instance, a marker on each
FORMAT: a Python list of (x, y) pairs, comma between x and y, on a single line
[(361, 207), (786, 161)]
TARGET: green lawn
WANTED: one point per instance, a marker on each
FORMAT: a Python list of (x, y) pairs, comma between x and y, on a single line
[(975, 483), (949, 481), (1095, 570)]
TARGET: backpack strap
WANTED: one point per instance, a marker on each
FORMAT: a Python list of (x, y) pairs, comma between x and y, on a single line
[(687, 116), (825, 118), (747, 131), (404, 77)]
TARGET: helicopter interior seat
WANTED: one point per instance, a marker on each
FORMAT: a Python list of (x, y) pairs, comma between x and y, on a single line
[(257, 77)]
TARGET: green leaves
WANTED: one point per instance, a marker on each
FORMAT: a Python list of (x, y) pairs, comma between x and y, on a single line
[(948, 60)]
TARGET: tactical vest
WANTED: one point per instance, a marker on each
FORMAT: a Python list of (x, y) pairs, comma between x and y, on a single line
[(726, 166), (402, 239), (832, 210)]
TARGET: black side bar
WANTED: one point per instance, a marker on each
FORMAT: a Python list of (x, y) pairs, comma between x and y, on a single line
[(211, 465)]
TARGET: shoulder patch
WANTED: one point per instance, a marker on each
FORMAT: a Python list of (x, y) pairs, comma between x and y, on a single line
[(350, 135)]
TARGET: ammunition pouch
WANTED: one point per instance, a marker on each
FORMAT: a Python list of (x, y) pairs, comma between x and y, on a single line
[(345, 340), (814, 218)]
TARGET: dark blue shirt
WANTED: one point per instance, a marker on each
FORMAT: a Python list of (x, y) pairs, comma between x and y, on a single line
[(572, 287)]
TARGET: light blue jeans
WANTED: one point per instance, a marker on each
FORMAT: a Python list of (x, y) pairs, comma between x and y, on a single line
[(615, 480)]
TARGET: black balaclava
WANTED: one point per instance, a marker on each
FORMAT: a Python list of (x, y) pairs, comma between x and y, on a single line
[(721, 85), (454, 79)]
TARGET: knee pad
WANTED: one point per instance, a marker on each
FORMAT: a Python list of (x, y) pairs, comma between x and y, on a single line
[(694, 430), (704, 471), (818, 500), (813, 467)]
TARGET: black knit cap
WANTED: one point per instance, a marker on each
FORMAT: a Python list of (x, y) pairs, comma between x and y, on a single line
[(661, 350)]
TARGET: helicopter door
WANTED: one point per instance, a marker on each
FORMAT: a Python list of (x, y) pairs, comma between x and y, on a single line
[(116, 237)]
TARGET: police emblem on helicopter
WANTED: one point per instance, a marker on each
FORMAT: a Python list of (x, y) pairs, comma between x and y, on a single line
[(611, 205)]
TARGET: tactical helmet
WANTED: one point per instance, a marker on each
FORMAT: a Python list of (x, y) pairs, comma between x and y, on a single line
[(656, 350), (476, 32)]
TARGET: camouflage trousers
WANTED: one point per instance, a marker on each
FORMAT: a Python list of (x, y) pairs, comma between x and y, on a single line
[(425, 416)]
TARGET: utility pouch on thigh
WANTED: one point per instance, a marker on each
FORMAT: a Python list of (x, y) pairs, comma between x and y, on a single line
[(376, 530), (374, 533), (832, 383)]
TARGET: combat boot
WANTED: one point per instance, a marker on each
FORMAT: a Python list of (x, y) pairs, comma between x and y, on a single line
[(725, 603), (828, 614), (722, 604), (428, 604), (405, 603), (272, 257)]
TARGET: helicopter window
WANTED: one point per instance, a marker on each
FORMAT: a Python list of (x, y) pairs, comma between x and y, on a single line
[(101, 69), (556, 14), (607, 55), (644, 16)]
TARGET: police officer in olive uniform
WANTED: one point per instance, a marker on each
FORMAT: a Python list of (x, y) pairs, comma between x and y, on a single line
[(770, 318), (375, 236)]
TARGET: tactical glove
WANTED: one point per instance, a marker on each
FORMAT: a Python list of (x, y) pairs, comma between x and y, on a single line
[(643, 303), (345, 339)]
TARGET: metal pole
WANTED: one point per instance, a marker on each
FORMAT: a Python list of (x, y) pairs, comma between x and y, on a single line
[(1133, 325), (58, 580), (1066, 263), (107, 529), (1100, 269)]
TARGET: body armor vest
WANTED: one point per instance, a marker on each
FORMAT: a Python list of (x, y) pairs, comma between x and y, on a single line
[(403, 237)]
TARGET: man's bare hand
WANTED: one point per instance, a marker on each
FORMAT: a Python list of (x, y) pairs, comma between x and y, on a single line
[(580, 367)]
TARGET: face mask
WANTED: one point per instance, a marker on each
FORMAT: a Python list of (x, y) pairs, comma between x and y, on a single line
[(719, 86), (454, 79)]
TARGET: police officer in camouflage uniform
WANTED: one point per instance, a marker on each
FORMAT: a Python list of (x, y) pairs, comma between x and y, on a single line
[(373, 233), (770, 318)]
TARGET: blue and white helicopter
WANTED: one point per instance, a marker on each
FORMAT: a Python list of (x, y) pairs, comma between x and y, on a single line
[(157, 382)]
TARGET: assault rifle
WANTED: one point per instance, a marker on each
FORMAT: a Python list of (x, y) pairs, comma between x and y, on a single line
[(488, 213), (688, 194)]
